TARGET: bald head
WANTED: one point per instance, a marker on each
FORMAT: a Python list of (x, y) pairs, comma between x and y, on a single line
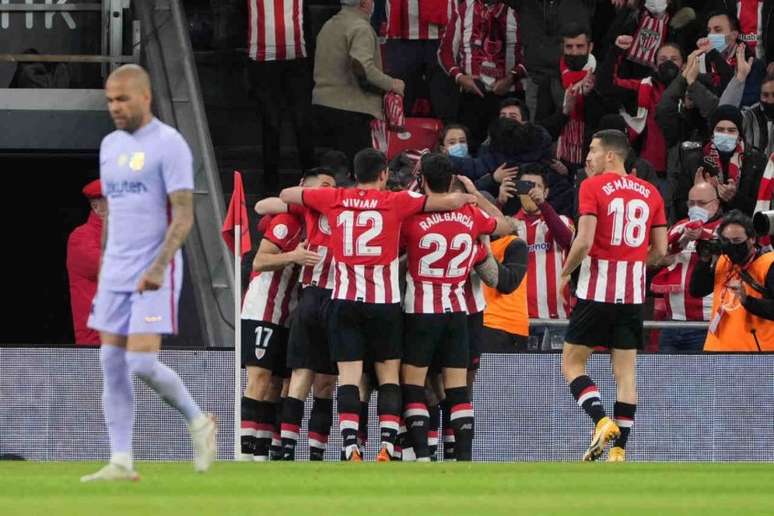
[(704, 196), (128, 94)]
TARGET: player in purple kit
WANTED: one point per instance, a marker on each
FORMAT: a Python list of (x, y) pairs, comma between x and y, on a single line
[(146, 172)]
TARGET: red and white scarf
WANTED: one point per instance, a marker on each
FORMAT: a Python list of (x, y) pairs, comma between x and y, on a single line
[(749, 13), (734, 164), (644, 104), (648, 38), (766, 188), (570, 145)]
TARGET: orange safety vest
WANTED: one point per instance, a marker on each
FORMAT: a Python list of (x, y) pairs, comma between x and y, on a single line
[(506, 312), (735, 324)]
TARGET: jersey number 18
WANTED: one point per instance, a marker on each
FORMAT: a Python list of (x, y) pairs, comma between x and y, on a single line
[(630, 220)]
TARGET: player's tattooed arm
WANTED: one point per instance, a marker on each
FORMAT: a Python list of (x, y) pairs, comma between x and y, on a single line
[(270, 206), (181, 203), (271, 258)]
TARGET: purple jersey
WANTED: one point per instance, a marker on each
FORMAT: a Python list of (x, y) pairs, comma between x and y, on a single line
[(138, 170)]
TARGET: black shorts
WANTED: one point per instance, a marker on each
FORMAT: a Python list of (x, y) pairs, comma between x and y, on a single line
[(308, 342), (615, 326), (265, 345), (364, 331), (444, 336), (475, 334)]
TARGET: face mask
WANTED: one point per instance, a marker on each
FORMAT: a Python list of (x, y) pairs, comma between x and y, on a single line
[(718, 41), (656, 6), (737, 253), (724, 142), (576, 63), (768, 109), (459, 150), (698, 213), (667, 71)]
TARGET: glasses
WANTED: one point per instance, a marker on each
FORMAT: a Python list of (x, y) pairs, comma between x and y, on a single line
[(700, 203)]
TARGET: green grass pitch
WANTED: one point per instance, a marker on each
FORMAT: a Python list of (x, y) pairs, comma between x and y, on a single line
[(280, 489)]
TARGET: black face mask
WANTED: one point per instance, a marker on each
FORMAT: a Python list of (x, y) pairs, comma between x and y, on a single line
[(737, 253), (576, 63), (768, 109), (667, 71)]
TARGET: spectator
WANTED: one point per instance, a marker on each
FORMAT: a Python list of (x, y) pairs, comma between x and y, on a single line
[(453, 141), (755, 23), (515, 109), (548, 236), (413, 29), (542, 42), (720, 55), (758, 119), (84, 247), (481, 53), (338, 163), (280, 78), (672, 282), (576, 118), (741, 282), (349, 82), (735, 172)]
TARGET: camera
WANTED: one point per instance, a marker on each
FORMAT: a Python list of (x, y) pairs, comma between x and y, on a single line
[(763, 223), (523, 187), (711, 247)]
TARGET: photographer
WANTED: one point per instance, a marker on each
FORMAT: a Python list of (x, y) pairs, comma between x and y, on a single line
[(673, 280), (741, 279)]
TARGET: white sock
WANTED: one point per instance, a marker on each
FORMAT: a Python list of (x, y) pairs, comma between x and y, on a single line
[(164, 381)]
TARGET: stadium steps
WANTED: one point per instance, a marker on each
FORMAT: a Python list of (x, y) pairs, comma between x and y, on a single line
[(178, 101)]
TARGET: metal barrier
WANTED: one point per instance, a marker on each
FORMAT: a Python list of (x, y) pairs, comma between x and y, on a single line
[(648, 325)]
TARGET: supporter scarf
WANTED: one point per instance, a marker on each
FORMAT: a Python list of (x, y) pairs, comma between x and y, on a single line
[(670, 279), (766, 188), (645, 101), (734, 164), (570, 146), (648, 37)]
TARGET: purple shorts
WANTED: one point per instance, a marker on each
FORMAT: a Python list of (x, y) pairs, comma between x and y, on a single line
[(125, 313)]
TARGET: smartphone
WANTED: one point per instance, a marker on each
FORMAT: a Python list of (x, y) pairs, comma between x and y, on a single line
[(710, 167), (523, 187)]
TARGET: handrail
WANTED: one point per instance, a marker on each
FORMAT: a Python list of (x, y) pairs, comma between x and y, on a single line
[(47, 8), (648, 325), (65, 58)]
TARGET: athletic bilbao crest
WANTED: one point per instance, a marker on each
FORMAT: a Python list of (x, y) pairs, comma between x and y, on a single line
[(324, 226), (259, 352)]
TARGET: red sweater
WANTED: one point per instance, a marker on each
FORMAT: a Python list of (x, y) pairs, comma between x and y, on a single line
[(83, 253)]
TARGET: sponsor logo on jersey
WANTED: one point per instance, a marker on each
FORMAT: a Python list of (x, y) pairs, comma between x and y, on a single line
[(536, 248), (152, 318), (114, 189)]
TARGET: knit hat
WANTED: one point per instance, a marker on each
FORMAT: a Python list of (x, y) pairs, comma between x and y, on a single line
[(726, 112)]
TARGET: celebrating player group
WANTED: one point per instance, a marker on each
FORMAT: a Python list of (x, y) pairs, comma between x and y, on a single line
[(363, 317)]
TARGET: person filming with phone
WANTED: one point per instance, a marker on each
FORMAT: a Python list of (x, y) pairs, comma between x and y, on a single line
[(740, 277)]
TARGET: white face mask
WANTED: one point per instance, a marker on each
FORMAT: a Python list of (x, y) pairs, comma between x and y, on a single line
[(698, 213), (656, 7)]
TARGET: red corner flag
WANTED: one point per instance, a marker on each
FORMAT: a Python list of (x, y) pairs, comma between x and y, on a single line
[(237, 216)]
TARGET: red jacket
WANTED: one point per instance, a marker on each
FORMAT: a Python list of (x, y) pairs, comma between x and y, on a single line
[(83, 253)]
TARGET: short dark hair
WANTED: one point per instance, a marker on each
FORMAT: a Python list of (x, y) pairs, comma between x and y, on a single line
[(437, 172), (450, 127), (534, 169), (675, 45), (767, 78), (615, 141), (739, 218), (516, 102), (369, 163), (317, 171), (732, 19), (575, 29)]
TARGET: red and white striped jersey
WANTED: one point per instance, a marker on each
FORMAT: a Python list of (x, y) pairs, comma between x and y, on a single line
[(417, 19), (626, 209), (750, 16), (475, 302), (544, 267), (481, 40), (441, 248), (272, 295), (364, 238), (318, 234), (275, 30), (674, 281)]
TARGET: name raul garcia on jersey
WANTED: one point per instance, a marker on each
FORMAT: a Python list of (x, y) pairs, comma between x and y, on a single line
[(448, 216), (625, 183)]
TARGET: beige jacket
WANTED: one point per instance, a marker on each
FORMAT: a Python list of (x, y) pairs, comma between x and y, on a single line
[(345, 38)]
